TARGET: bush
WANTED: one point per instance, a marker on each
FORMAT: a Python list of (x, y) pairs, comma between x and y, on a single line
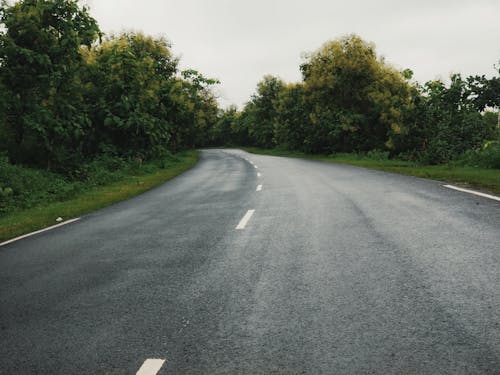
[(486, 157), (378, 155), (23, 187)]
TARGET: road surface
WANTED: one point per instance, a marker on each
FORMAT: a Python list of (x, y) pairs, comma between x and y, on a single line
[(333, 270)]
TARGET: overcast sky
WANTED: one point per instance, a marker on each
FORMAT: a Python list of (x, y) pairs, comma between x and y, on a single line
[(239, 41)]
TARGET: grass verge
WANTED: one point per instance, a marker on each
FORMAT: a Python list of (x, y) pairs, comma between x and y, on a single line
[(27, 220), (486, 179)]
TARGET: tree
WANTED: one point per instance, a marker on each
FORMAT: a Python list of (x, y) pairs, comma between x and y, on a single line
[(446, 121), (357, 101), (40, 68), (292, 124), (129, 76), (261, 111), (222, 133)]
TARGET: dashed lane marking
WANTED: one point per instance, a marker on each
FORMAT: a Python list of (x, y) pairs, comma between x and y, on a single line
[(244, 221), (259, 187), (151, 367)]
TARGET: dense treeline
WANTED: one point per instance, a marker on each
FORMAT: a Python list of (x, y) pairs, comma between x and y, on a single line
[(70, 95), (78, 103), (350, 100)]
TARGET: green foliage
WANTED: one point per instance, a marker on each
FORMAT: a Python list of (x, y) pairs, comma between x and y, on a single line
[(261, 111), (41, 60), (492, 122), (142, 177), (487, 156), (201, 107), (444, 123), (127, 76), (67, 97), (357, 100), (292, 123), (23, 188), (83, 107), (351, 101), (30, 186), (222, 133)]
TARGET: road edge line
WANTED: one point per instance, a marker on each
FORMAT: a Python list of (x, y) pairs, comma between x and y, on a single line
[(479, 194), (38, 232)]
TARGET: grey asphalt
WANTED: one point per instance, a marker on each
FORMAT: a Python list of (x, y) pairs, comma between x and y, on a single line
[(341, 270)]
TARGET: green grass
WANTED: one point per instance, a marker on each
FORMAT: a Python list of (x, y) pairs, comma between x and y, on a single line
[(480, 178), (40, 216)]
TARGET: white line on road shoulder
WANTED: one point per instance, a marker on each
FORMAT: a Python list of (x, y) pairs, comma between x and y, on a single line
[(259, 187), (39, 231), (151, 367), (473, 192), (245, 219)]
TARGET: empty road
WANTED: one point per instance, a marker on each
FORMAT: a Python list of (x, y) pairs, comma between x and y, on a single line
[(251, 264)]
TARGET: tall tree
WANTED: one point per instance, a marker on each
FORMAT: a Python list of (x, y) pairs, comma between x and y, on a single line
[(262, 111), (356, 99), (40, 65), (292, 125), (128, 75)]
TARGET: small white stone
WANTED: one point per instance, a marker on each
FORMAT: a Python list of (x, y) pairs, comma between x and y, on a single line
[(59, 219)]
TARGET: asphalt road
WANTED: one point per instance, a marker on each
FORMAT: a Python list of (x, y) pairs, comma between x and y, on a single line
[(340, 270)]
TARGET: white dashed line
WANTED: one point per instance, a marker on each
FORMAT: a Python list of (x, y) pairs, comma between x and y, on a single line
[(259, 175), (473, 192), (245, 219), (39, 231), (255, 166), (259, 187), (151, 367)]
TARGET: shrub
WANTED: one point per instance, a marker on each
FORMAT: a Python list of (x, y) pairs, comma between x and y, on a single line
[(486, 157)]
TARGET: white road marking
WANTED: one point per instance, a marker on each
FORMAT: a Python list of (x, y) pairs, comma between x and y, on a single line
[(255, 166), (39, 231), (259, 187), (245, 219), (151, 367), (258, 174), (473, 192)]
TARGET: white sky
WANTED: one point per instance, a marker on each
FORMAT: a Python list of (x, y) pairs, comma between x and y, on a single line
[(239, 41)]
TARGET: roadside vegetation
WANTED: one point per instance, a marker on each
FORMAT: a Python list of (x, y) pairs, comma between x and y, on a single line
[(351, 101), (357, 109), (46, 196), (86, 119), (84, 115)]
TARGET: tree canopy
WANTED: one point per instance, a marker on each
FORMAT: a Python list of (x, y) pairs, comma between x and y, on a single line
[(69, 94)]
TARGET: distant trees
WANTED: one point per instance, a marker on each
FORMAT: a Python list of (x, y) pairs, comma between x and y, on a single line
[(69, 95), (292, 128), (261, 111), (356, 99), (445, 122), (350, 100)]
